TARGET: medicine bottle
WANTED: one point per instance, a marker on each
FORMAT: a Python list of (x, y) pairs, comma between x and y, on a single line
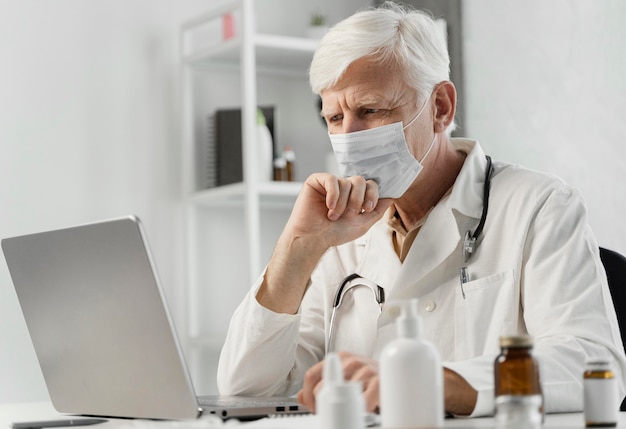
[(517, 385), (265, 151), (280, 169), (290, 158), (601, 400), (340, 404), (411, 376)]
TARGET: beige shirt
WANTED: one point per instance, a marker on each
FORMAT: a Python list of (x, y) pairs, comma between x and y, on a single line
[(401, 238)]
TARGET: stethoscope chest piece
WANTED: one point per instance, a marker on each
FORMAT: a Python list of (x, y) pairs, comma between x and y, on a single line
[(469, 244)]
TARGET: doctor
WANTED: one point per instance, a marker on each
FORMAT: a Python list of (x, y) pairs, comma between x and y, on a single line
[(400, 219)]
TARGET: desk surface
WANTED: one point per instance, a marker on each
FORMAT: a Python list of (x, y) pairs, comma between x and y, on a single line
[(44, 411)]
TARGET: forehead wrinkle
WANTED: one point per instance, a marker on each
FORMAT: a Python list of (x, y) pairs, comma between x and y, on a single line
[(365, 84), (371, 95), (354, 101), (367, 100), (387, 99)]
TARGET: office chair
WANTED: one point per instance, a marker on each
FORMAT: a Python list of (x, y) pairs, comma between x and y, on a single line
[(615, 267)]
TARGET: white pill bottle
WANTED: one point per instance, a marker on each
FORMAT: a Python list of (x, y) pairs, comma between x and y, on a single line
[(411, 376)]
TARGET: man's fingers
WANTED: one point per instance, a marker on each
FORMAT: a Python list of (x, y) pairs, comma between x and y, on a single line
[(371, 394), (355, 196), (371, 196), (310, 385), (364, 371), (341, 206), (355, 369)]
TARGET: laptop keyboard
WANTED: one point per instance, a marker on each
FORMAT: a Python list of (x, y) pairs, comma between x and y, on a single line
[(244, 401)]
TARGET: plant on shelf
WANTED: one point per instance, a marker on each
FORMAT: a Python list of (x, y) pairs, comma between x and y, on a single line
[(317, 25), (318, 20)]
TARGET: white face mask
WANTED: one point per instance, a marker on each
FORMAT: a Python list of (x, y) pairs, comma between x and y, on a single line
[(380, 154)]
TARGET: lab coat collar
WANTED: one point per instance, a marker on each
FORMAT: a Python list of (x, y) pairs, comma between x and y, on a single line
[(467, 192), (380, 263)]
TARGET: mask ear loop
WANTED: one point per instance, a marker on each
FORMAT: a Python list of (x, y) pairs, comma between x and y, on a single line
[(432, 143), (413, 120), (429, 148), (418, 114)]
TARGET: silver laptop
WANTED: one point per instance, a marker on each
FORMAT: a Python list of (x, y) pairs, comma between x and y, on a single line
[(102, 332)]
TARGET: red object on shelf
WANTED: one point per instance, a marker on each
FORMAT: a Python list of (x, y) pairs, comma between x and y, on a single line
[(228, 26)]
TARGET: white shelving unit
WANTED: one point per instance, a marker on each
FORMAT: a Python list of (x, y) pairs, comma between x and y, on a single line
[(232, 229)]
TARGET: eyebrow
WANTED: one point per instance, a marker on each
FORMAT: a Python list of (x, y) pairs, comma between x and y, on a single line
[(323, 113), (361, 104)]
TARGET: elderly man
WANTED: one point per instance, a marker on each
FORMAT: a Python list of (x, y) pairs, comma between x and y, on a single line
[(488, 249)]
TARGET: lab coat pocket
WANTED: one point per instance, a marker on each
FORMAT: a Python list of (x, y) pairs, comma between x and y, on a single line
[(489, 309)]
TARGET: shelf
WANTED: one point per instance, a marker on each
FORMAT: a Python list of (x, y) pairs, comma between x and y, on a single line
[(225, 52), (231, 229), (271, 194), (284, 52), (280, 54)]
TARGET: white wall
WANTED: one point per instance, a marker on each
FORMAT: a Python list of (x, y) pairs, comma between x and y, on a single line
[(546, 87), (88, 130)]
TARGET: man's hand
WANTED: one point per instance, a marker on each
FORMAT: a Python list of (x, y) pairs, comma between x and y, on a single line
[(335, 210), (329, 211), (355, 369), (459, 396)]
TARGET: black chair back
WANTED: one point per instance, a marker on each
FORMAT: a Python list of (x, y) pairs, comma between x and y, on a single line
[(615, 267)]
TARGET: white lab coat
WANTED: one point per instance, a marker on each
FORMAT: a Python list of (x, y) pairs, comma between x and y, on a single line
[(536, 270)]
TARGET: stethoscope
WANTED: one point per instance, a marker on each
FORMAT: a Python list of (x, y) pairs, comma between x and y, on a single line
[(470, 244), (346, 285)]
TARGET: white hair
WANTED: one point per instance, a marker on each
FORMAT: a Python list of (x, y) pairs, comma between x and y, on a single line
[(389, 34)]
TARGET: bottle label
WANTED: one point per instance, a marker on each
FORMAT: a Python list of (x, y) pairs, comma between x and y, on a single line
[(601, 403)]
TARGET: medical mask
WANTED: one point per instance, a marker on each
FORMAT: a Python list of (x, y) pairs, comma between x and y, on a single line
[(380, 154)]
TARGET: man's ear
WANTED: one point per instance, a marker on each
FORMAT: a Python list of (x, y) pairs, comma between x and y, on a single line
[(445, 103)]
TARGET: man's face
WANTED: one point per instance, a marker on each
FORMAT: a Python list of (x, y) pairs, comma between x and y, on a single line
[(370, 95)]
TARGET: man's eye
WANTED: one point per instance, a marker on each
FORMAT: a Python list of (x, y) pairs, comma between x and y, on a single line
[(334, 118), (370, 111)]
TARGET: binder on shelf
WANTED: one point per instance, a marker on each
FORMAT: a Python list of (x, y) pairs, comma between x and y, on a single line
[(223, 153), (207, 158)]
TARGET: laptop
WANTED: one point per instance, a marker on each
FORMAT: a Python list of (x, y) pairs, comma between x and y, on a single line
[(101, 329)]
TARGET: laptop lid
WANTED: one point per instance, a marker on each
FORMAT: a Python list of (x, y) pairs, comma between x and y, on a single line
[(98, 322), (101, 330)]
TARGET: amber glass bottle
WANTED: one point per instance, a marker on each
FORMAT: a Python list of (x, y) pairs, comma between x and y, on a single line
[(517, 385), (516, 371)]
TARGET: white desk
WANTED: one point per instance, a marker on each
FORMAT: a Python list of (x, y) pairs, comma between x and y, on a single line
[(44, 411), (10, 413)]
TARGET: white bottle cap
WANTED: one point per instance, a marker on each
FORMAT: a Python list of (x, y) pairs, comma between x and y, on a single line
[(409, 324), (333, 373)]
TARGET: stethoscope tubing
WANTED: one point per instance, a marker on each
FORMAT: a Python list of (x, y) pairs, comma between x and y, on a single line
[(345, 286)]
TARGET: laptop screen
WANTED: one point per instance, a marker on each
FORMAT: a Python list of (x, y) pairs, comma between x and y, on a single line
[(98, 322)]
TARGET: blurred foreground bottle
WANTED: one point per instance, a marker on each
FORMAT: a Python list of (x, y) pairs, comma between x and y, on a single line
[(519, 400)]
